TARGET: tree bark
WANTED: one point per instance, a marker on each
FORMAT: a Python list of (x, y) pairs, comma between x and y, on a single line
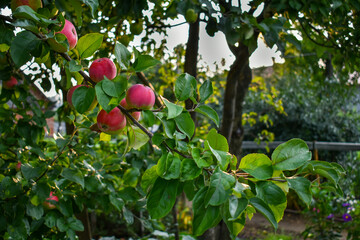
[(237, 84), (191, 58)]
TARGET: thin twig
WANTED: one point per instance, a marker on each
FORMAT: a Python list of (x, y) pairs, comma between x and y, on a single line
[(147, 132)]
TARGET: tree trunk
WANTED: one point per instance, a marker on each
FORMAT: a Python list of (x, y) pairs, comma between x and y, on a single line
[(191, 58), (237, 84)]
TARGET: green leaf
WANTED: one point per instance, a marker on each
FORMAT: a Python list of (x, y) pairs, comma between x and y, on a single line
[(170, 127), (204, 218), (139, 138), (116, 201), (217, 141), (162, 197), (82, 98), (200, 162), (221, 185), (27, 12), (185, 85), (22, 46), (144, 62), (121, 83), (270, 193), (73, 66), (257, 165), (265, 210), (291, 155), (236, 207), (148, 178), (122, 55), (93, 4), (206, 90), (236, 225), (169, 167), (103, 98), (128, 215), (62, 224), (222, 157), (35, 212), (88, 44), (173, 109), (30, 172), (75, 224), (185, 123), (302, 188), (130, 177), (189, 169), (50, 219), (208, 112), (109, 87), (326, 169), (74, 175)]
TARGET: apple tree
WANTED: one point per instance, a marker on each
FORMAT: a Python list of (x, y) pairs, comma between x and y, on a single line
[(127, 150)]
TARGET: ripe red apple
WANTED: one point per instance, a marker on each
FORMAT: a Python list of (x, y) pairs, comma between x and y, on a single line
[(70, 33), (71, 92), (135, 115), (34, 4), (140, 96), (111, 123), (11, 83), (47, 204), (18, 166), (102, 67)]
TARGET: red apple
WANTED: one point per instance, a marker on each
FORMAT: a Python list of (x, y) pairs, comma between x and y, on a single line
[(70, 33), (102, 67), (140, 96), (71, 92), (34, 4), (52, 198), (111, 123), (11, 83), (135, 115), (18, 166)]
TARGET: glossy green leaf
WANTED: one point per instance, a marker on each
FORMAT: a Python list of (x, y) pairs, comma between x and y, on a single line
[(131, 176), (148, 178), (30, 172), (222, 157), (162, 197), (89, 44), (204, 218), (206, 90), (170, 127), (302, 188), (291, 155), (189, 169), (199, 160), (208, 112), (74, 66), (122, 55), (236, 225), (75, 224), (257, 165), (221, 184), (139, 137), (103, 99), (185, 123), (172, 109), (116, 201), (184, 86), (74, 175), (265, 210), (21, 47), (169, 167), (35, 212), (83, 98), (93, 5), (217, 141), (143, 62), (236, 207)]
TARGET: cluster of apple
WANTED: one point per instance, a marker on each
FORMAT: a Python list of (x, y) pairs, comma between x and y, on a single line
[(138, 96)]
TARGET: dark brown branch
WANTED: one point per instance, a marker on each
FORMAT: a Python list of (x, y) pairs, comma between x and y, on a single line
[(6, 18), (147, 132), (311, 39), (164, 26), (87, 79)]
